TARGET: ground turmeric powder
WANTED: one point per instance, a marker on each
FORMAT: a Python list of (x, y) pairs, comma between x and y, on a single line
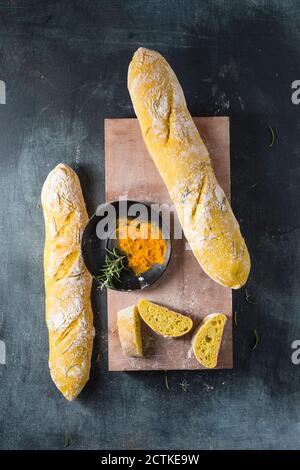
[(142, 243)]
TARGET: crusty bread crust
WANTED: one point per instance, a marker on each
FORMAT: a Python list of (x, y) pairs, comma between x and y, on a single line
[(129, 328), (183, 161), (69, 314)]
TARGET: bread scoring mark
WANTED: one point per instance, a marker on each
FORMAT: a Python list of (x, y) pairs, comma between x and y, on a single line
[(199, 197), (66, 265)]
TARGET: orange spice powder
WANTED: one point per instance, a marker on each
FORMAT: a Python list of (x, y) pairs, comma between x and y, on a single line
[(142, 243)]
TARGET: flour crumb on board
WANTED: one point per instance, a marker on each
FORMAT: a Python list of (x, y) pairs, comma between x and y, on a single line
[(190, 353), (208, 387)]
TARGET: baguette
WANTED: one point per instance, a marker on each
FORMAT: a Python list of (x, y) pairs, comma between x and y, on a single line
[(183, 161), (69, 314)]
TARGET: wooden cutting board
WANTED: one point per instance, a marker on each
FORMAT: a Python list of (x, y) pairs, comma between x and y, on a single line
[(130, 173)]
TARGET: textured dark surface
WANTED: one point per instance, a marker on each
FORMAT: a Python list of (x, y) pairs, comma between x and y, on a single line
[(65, 64)]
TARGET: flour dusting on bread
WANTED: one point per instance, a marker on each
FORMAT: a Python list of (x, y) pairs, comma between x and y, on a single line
[(184, 164), (67, 283)]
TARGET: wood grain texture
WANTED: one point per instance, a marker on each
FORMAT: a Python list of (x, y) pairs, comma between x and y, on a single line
[(131, 173)]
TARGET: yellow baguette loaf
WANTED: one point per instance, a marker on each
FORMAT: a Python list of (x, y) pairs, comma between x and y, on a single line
[(183, 161), (206, 341), (164, 321), (129, 328), (69, 314)]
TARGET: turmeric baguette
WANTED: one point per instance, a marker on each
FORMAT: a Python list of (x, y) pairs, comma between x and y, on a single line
[(183, 161), (69, 314)]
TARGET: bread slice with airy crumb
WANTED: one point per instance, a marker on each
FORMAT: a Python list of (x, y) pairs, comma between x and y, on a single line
[(207, 339), (129, 328), (164, 321)]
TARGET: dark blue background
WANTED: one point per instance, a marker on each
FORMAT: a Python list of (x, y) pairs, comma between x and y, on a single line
[(65, 66)]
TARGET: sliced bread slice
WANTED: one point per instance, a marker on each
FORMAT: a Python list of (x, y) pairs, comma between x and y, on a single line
[(207, 339), (129, 328), (164, 321)]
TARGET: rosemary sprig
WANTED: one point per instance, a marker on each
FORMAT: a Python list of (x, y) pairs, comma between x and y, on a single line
[(184, 385), (256, 340), (111, 269), (272, 136), (167, 382), (67, 440), (249, 298)]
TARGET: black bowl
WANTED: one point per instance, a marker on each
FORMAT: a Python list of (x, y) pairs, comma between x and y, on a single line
[(94, 249)]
